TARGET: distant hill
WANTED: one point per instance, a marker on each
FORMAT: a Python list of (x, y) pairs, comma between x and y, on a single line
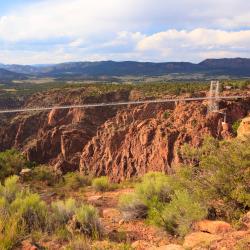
[(6, 75), (232, 67)]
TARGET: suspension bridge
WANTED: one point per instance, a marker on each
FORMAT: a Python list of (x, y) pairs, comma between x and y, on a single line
[(213, 100)]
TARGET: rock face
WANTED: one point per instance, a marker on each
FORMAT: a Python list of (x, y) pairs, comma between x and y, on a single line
[(147, 138), (199, 239), (244, 128), (120, 142), (213, 227)]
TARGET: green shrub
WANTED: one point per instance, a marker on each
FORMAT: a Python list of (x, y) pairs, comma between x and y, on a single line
[(101, 184), (166, 114), (75, 180), (46, 174), (132, 207), (154, 186), (10, 189), (31, 211), (235, 126), (87, 221), (21, 212), (220, 176), (77, 218), (178, 216), (11, 163), (63, 211)]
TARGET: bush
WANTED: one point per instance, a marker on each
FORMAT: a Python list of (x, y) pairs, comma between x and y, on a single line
[(75, 180), (21, 212), (31, 211), (132, 207), (220, 176), (235, 126), (101, 184), (154, 186), (10, 189), (11, 163), (45, 174), (87, 221), (77, 218), (178, 216), (63, 211)]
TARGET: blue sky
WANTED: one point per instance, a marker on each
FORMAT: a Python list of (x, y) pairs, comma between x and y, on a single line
[(53, 31)]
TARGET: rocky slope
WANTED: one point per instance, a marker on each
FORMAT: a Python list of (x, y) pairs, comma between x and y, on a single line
[(119, 142)]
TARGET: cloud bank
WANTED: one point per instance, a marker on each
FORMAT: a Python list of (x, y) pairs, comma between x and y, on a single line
[(153, 30)]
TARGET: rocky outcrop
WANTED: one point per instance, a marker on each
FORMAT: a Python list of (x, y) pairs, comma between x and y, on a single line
[(120, 142), (244, 128), (148, 137)]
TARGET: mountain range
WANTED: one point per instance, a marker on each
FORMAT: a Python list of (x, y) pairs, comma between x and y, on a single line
[(238, 67)]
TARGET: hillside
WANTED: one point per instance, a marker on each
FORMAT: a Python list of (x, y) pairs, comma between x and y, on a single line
[(6, 75), (238, 67)]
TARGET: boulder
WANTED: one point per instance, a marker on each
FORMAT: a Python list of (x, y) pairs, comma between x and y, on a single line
[(199, 239), (25, 171), (244, 128), (213, 227)]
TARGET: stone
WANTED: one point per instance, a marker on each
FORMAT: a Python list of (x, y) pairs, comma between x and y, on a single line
[(213, 227), (244, 129), (199, 239), (121, 222), (25, 171)]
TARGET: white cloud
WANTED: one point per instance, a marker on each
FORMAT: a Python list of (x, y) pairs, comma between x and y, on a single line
[(197, 44), (84, 18), (151, 30)]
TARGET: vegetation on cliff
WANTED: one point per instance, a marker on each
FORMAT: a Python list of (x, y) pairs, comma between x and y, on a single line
[(214, 182)]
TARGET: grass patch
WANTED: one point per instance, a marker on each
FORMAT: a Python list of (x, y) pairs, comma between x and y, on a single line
[(75, 180), (102, 184)]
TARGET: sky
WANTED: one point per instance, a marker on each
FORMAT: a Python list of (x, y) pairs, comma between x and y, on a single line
[(54, 31)]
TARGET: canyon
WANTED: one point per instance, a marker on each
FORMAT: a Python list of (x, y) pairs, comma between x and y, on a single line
[(120, 142)]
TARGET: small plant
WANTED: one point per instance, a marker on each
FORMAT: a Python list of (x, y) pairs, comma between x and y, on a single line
[(21, 212), (46, 174), (31, 211), (166, 114), (235, 126), (178, 216), (132, 207), (11, 163), (10, 189), (101, 184), (63, 211), (75, 180), (154, 185), (86, 221)]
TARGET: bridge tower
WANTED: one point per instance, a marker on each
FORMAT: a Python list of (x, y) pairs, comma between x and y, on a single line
[(213, 104)]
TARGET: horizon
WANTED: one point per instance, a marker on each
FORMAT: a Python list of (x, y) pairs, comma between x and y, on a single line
[(60, 31), (117, 61)]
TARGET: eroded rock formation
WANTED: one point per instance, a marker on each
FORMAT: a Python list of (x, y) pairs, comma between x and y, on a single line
[(120, 142)]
